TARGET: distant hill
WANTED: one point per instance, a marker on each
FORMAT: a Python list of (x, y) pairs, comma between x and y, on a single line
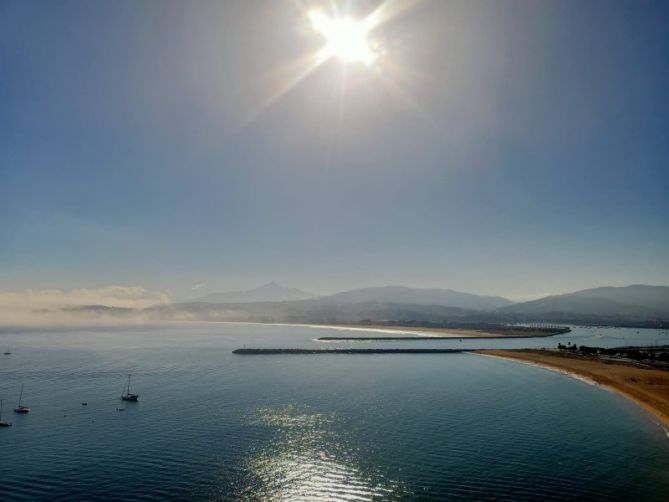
[(638, 305), (274, 303), (271, 292), (414, 296), (629, 301), (305, 311)]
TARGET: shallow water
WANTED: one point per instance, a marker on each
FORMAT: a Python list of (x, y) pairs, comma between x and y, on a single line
[(211, 425)]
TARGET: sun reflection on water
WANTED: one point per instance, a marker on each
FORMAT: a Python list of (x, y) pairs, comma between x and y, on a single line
[(307, 459)]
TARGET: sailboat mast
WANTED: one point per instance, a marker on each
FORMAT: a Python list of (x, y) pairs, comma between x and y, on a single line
[(20, 395), (128, 384)]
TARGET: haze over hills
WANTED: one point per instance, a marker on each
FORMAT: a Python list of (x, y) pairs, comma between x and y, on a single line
[(629, 301), (306, 311), (271, 292), (381, 303), (415, 296), (638, 305)]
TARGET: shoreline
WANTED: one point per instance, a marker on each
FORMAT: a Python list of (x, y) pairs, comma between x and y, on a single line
[(424, 332), (427, 332), (648, 388), (270, 352), (414, 332)]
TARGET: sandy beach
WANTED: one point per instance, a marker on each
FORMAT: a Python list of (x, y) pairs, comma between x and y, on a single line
[(647, 387), (431, 332), (381, 329)]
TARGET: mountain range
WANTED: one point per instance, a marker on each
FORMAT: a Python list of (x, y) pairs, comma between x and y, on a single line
[(272, 292), (636, 300), (630, 305), (414, 296)]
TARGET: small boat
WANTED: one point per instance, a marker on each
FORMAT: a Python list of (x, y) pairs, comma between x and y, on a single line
[(22, 408), (3, 423), (127, 395), (8, 353)]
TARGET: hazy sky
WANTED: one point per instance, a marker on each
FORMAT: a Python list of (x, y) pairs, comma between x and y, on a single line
[(502, 147)]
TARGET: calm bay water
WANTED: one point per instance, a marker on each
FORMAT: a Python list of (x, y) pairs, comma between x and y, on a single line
[(214, 426)]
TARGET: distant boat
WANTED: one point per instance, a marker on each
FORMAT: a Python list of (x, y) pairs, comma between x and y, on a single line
[(3, 423), (127, 395), (8, 353), (21, 408)]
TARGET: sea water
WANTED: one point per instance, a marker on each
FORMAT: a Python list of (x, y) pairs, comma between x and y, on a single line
[(210, 425)]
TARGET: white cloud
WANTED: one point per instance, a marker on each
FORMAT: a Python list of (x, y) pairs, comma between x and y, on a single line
[(51, 305)]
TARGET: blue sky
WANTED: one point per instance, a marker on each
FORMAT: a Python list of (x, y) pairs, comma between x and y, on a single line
[(510, 147)]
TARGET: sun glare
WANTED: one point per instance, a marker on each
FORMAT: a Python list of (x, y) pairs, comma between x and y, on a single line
[(352, 40), (345, 38)]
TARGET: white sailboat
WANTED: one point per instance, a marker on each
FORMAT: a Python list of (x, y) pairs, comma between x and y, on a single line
[(127, 395), (22, 408)]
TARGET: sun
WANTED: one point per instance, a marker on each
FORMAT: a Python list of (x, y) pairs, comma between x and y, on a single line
[(345, 38), (352, 39)]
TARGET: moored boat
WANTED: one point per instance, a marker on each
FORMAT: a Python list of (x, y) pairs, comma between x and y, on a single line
[(127, 395), (22, 408)]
